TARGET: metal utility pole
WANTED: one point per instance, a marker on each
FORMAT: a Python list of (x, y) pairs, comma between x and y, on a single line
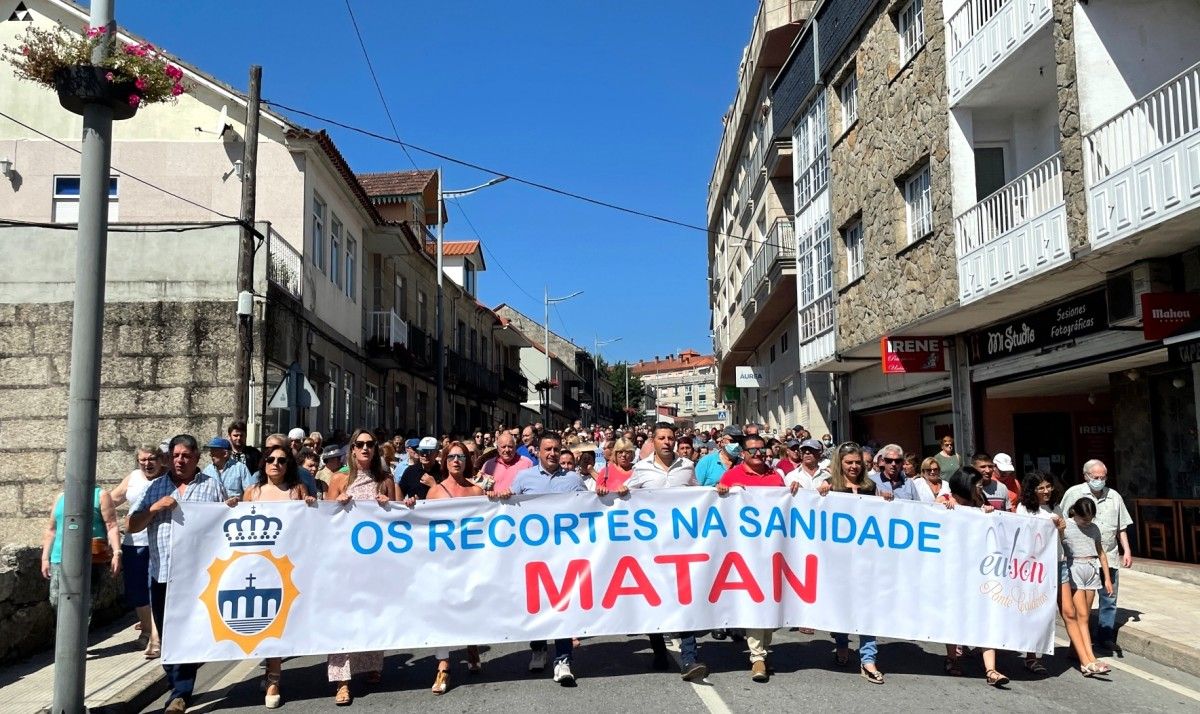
[(245, 274), (441, 239), (547, 302), (627, 394), (91, 252)]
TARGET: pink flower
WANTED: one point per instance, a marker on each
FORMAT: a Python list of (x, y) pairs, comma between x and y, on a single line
[(24, 50), (173, 72), (110, 76), (93, 32), (140, 83), (135, 50), (134, 100), (176, 90)]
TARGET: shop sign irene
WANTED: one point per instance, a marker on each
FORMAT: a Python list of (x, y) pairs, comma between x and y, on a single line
[(904, 354), (1062, 322)]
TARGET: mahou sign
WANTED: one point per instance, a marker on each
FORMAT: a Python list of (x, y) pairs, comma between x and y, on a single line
[(1062, 322)]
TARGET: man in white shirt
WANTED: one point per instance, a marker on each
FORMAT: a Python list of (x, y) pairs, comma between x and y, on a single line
[(666, 469), (808, 473)]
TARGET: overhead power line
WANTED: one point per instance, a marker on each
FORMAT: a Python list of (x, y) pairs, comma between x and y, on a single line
[(528, 182), (378, 88)]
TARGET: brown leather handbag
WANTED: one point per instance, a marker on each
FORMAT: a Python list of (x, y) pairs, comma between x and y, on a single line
[(102, 553)]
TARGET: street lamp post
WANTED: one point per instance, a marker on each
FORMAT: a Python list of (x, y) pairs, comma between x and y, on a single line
[(438, 409), (598, 343), (548, 301)]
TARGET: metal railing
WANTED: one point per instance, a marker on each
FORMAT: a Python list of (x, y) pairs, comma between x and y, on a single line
[(780, 243), (1159, 119), (387, 327), (285, 265), (1026, 197)]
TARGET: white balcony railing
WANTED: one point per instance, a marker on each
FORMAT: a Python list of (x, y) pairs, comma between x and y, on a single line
[(387, 327), (1143, 165), (1029, 195), (1015, 233), (285, 266), (983, 33)]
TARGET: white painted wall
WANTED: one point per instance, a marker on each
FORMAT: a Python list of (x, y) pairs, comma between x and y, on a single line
[(1126, 48)]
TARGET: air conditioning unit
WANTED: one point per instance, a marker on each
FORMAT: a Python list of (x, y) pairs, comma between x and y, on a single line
[(1124, 290)]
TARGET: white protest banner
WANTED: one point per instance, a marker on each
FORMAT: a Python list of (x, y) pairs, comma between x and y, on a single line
[(284, 579)]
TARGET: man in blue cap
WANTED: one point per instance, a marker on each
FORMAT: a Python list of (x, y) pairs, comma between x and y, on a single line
[(407, 458), (232, 474)]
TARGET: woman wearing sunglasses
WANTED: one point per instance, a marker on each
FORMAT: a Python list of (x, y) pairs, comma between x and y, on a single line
[(616, 473), (279, 480), (366, 480), (847, 474), (457, 484)]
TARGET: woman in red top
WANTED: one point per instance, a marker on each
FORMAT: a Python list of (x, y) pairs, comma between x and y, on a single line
[(614, 475)]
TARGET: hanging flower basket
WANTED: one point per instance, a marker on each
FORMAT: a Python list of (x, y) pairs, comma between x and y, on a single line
[(130, 75), (84, 84)]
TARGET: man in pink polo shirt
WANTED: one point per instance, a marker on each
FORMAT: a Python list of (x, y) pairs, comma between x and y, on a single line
[(498, 473)]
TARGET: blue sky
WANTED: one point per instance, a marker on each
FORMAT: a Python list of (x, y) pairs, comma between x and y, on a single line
[(620, 100)]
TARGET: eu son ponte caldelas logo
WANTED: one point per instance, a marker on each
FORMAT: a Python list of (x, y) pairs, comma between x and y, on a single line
[(250, 592)]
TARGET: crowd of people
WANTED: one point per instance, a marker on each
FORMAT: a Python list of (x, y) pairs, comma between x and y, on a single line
[(1090, 517)]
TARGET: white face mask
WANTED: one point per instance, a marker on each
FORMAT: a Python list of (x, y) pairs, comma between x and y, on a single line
[(1097, 484)]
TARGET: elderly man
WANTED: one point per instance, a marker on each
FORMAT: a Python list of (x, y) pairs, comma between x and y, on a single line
[(808, 473), (232, 474), (183, 482), (498, 472), (548, 476), (331, 462), (295, 440), (891, 480), (712, 467), (423, 475), (1112, 518), (526, 447)]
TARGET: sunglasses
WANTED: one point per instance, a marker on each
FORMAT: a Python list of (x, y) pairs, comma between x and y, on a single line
[(755, 451), (277, 460), (932, 470), (848, 447), (364, 444), (887, 460), (456, 457)]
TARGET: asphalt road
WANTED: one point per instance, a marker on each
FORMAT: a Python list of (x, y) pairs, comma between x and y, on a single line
[(614, 676)]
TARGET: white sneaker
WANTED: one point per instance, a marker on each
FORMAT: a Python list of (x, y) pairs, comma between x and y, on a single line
[(562, 673), (537, 662)]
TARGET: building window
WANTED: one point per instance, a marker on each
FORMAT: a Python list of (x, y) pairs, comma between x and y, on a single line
[(400, 407), (772, 354), (422, 318), (371, 406), (400, 298), (468, 277), (335, 251), (848, 92), (855, 262), (351, 268), (460, 338), (318, 233), (348, 393), (66, 199), (333, 394), (703, 397), (783, 343), (910, 22), (810, 142), (918, 204), (474, 343)]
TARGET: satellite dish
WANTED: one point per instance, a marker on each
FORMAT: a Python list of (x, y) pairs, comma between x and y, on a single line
[(222, 125)]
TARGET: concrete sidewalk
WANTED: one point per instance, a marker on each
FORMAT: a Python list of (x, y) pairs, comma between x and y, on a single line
[(1159, 619), (119, 677)]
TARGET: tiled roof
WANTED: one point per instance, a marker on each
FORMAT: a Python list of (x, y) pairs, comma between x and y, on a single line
[(688, 359), (323, 140), (453, 248), (396, 183)]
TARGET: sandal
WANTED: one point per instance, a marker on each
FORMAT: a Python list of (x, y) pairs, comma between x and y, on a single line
[(1034, 665), (995, 679), (872, 676), (442, 682), (1093, 669), (342, 698), (952, 667), (806, 630), (272, 701)]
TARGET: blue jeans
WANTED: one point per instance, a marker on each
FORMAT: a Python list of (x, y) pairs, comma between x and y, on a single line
[(562, 649), (1106, 621), (181, 677), (688, 655), (867, 649)]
